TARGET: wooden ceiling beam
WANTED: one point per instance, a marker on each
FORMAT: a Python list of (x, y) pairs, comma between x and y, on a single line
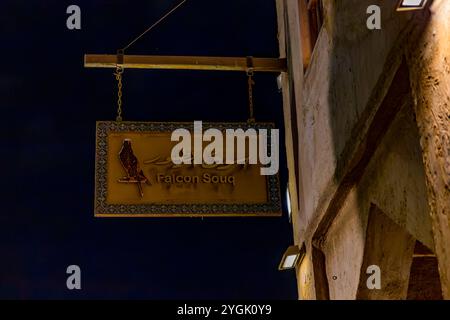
[(186, 63)]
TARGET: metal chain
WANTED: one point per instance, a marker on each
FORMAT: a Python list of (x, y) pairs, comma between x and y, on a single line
[(118, 74), (250, 82)]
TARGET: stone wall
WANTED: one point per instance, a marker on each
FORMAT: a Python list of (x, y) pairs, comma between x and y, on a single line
[(358, 140)]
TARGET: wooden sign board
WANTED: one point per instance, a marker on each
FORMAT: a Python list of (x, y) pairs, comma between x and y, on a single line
[(163, 189)]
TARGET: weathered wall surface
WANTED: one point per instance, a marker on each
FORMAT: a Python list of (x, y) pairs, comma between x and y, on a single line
[(395, 179), (344, 248), (389, 250), (351, 71), (305, 278), (429, 62)]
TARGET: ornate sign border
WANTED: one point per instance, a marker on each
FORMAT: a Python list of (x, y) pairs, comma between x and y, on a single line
[(103, 209)]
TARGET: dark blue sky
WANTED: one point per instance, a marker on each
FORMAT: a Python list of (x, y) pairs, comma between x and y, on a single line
[(49, 105)]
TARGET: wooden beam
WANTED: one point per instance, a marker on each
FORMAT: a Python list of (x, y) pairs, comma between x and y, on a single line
[(185, 63)]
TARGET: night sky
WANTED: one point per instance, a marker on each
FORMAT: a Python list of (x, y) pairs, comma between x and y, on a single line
[(49, 104)]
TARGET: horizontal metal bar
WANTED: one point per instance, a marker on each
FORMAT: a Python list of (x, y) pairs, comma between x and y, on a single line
[(185, 63)]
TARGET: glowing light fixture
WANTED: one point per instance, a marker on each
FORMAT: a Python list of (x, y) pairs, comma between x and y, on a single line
[(408, 5), (288, 204), (292, 257)]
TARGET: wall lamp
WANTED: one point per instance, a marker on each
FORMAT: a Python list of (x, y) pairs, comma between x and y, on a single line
[(408, 5), (292, 257)]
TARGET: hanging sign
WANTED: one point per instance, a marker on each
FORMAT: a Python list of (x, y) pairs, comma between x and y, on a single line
[(150, 169)]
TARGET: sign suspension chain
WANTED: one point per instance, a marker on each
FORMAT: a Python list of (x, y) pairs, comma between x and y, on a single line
[(118, 74), (250, 83)]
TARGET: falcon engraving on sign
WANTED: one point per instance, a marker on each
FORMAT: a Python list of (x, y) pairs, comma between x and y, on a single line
[(135, 175), (130, 164)]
